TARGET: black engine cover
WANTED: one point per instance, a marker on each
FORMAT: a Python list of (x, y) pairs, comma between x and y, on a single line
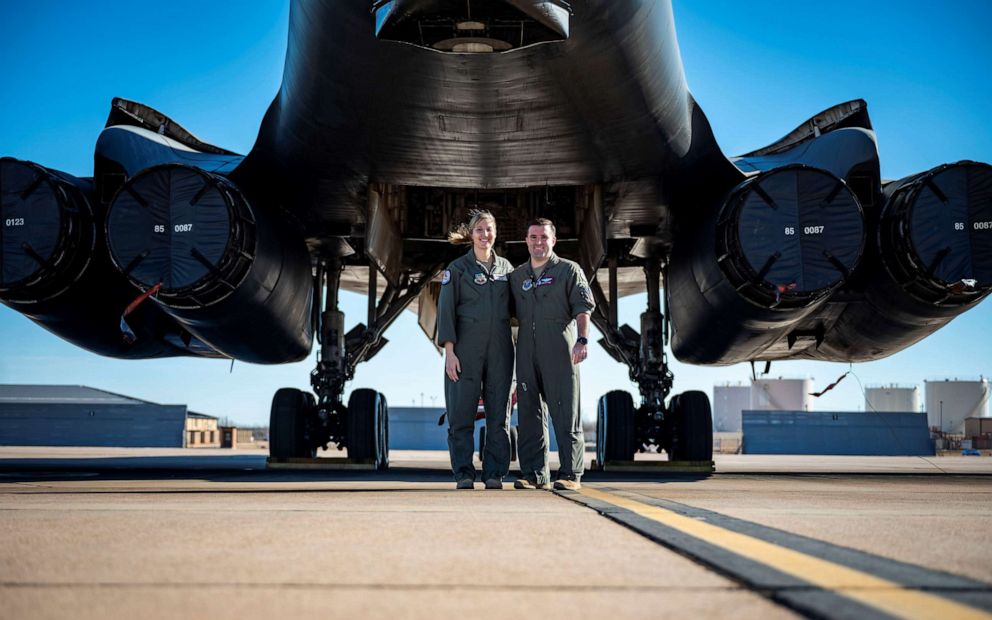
[(783, 241), (54, 269), (235, 276)]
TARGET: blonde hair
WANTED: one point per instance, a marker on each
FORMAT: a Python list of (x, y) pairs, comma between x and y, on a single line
[(462, 234)]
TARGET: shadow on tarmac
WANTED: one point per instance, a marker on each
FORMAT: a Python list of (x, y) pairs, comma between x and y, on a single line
[(252, 468)]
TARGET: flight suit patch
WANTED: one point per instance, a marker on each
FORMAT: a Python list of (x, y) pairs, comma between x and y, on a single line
[(480, 278), (446, 277), (499, 277), (545, 280), (528, 284), (585, 293)]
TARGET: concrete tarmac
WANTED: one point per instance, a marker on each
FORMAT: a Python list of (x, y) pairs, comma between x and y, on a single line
[(97, 532)]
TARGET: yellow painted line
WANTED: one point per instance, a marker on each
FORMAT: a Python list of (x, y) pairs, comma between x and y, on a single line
[(887, 596)]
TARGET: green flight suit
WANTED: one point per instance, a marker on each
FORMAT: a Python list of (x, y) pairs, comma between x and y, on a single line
[(474, 314), (547, 381)]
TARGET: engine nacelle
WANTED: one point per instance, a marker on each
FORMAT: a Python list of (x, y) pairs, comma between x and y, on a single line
[(55, 270), (935, 235), (783, 241), (932, 261), (232, 275), (48, 232)]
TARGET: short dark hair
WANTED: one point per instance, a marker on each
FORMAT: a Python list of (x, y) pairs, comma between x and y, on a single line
[(542, 221)]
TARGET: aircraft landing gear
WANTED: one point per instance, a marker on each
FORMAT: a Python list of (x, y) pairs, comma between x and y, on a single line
[(683, 427), (367, 433), (287, 424), (300, 423)]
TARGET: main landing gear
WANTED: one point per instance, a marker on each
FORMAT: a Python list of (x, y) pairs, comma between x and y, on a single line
[(301, 422), (683, 427)]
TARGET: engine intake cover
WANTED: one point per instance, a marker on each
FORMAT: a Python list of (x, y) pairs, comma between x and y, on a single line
[(936, 233), (787, 237), (235, 276), (47, 232), (189, 230)]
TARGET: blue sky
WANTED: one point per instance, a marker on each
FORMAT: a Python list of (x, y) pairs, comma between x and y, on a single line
[(757, 69)]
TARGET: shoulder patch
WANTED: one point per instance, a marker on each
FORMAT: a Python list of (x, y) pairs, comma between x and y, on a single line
[(446, 277)]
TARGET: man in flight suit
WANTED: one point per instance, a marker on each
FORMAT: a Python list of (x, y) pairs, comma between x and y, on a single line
[(552, 299)]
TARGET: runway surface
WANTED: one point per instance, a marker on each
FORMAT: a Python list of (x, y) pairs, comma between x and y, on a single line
[(91, 532)]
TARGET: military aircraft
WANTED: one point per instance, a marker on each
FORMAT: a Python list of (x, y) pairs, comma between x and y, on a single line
[(396, 117)]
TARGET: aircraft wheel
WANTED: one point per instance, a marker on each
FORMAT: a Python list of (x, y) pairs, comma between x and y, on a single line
[(693, 427), (287, 424), (383, 453), (366, 431), (615, 427), (513, 444), (482, 443)]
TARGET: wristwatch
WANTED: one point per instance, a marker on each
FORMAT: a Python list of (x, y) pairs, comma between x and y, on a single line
[(582, 340)]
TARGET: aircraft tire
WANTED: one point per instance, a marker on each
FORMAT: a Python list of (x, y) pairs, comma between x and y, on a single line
[(364, 426), (382, 454), (615, 439), (513, 444), (482, 443), (287, 424), (693, 427)]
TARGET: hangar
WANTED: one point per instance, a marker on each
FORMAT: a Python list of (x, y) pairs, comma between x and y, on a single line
[(75, 415)]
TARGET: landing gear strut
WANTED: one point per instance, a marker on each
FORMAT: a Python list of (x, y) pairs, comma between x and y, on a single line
[(300, 423), (683, 427)]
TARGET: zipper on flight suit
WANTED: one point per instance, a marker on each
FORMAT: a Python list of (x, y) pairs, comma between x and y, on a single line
[(488, 274)]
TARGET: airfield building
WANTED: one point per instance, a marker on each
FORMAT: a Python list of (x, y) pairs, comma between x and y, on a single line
[(781, 421), (74, 415)]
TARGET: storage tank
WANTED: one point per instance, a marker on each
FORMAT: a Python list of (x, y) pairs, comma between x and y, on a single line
[(892, 398), (728, 403), (950, 401), (781, 394)]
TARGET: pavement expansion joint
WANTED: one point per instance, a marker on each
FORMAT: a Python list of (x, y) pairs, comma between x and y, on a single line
[(199, 585)]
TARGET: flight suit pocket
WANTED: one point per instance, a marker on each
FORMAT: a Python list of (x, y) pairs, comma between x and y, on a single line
[(469, 290)]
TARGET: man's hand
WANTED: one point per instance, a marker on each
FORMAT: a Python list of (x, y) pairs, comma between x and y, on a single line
[(579, 352), (452, 366)]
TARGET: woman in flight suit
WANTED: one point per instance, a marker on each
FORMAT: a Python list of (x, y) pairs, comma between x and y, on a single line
[(474, 329)]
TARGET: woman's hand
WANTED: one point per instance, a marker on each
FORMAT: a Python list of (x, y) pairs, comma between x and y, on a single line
[(451, 365)]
